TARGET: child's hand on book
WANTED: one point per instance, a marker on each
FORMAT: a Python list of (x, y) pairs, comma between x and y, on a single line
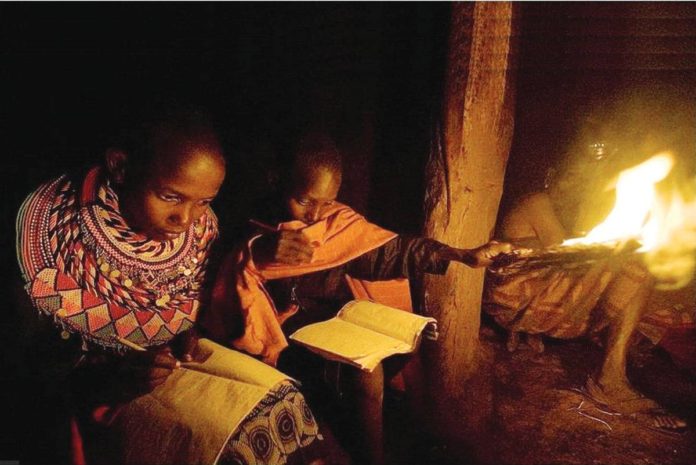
[(431, 333), (112, 377), (184, 345), (147, 370)]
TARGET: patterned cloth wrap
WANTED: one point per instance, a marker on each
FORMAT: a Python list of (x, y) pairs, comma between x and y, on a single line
[(96, 277), (281, 429), (563, 303)]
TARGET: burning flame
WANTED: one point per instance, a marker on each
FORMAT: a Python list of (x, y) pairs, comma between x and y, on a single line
[(665, 225)]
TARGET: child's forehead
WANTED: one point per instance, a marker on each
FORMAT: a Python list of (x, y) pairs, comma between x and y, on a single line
[(199, 180), (192, 164), (178, 154)]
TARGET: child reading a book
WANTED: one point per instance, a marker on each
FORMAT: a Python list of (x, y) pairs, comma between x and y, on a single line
[(295, 274), (117, 256)]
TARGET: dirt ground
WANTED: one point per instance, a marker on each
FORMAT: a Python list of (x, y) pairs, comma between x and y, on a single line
[(540, 419)]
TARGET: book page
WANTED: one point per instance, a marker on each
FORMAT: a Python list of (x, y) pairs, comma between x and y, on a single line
[(392, 322), (196, 409), (343, 341), (214, 359)]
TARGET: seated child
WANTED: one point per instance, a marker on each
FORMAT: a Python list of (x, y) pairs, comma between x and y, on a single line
[(295, 274), (118, 255)]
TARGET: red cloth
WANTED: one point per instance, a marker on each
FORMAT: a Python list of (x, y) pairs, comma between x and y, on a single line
[(77, 453), (97, 417), (339, 237)]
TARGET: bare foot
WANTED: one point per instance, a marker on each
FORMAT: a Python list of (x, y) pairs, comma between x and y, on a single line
[(613, 389), (668, 422), (513, 341), (536, 343), (622, 398)]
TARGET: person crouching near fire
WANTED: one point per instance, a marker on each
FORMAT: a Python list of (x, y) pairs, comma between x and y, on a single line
[(607, 298)]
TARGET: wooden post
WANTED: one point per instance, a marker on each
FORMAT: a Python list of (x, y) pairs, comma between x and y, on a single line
[(465, 174)]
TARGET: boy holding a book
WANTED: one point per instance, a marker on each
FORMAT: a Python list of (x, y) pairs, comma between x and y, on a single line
[(298, 266)]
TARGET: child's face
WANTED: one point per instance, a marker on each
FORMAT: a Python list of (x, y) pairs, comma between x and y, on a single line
[(177, 192), (309, 202)]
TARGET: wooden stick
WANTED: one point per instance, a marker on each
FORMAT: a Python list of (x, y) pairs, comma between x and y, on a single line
[(563, 256)]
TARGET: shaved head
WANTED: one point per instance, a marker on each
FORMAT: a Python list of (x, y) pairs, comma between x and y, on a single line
[(316, 153), (166, 171), (169, 140)]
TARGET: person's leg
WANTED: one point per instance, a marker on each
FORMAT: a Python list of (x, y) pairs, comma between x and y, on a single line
[(368, 395), (281, 429), (536, 343), (407, 415), (411, 368), (513, 341), (625, 304)]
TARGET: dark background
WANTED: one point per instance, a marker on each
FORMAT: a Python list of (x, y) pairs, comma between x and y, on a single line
[(371, 73)]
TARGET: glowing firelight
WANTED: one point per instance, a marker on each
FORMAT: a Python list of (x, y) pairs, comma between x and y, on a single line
[(665, 225)]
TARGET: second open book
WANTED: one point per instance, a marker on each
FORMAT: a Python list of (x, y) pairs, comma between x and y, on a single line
[(363, 333)]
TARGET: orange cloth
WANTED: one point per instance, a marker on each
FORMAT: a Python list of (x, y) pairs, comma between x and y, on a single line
[(339, 237), (393, 293)]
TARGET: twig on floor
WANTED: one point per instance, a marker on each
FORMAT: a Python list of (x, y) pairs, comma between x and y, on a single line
[(595, 419), (613, 414), (582, 412), (582, 402)]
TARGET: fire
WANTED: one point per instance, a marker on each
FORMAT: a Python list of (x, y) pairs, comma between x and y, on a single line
[(663, 223)]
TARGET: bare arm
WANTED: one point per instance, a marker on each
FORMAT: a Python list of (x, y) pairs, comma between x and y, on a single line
[(543, 219), (534, 216)]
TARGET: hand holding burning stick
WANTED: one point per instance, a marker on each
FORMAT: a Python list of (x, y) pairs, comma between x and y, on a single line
[(572, 288), (478, 257), (641, 222), (562, 256)]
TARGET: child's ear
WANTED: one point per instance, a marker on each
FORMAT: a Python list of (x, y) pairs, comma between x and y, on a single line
[(116, 162)]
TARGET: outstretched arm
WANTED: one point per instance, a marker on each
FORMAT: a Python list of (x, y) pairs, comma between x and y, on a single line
[(404, 257)]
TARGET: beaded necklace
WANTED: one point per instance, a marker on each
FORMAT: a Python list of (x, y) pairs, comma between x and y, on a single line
[(97, 277)]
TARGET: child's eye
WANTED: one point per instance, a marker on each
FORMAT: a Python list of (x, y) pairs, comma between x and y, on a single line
[(204, 203), (169, 197), (304, 202)]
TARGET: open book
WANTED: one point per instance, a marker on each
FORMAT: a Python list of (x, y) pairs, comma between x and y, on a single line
[(196, 410), (364, 333)]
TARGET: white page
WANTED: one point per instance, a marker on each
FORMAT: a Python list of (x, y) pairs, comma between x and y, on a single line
[(392, 322), (347, 340)]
